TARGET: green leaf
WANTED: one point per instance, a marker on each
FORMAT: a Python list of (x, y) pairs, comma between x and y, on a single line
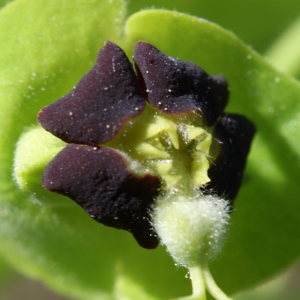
[(5, 270), (256, 22), (264, 234), (285, 51), (4, 2)]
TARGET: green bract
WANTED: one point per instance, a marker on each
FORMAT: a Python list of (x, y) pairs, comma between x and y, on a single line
[(47, 46)]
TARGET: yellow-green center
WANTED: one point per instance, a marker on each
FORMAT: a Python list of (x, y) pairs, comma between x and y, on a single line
[(173, 147)]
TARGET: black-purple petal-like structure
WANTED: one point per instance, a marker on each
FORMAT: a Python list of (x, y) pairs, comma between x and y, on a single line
[(235, 134), (99, 180), (103, 100), (175, 86)]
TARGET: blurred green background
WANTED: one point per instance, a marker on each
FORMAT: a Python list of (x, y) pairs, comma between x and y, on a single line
[(257, 22)]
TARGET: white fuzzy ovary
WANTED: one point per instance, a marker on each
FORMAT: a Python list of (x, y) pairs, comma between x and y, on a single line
[(193, 229)]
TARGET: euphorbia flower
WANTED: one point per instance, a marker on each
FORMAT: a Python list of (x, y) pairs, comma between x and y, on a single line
[(49, 45), (152, 153)]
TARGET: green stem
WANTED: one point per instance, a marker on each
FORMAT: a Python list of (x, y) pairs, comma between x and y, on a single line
[(211, 285), (196, 276)]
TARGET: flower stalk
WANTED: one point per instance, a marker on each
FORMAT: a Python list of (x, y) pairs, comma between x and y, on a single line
[(201, 281)]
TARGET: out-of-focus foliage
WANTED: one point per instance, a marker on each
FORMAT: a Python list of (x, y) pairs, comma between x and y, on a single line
[(257, 23)]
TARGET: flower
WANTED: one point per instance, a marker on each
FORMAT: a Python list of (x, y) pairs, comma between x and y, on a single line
[(132, 137), (152, 153)]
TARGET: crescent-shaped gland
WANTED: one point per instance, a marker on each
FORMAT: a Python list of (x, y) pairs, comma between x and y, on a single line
[(99, 180), (103, 100), (176, 87), (234, 134)]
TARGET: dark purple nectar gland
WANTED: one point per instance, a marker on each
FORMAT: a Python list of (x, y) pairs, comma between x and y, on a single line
[(99, 180), (100, 104), (178, 87), (135, 138)]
